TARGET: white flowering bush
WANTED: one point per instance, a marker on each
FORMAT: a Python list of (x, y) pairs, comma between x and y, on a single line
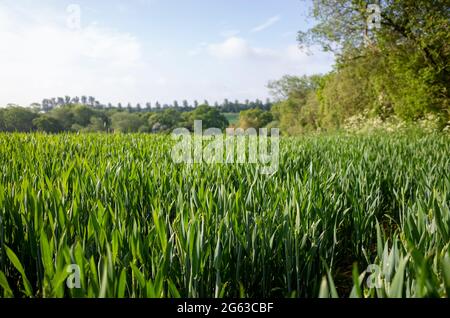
[(364, 123)]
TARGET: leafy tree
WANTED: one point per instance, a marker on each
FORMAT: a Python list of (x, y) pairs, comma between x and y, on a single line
[(293, 86), (48, 124), (127, 122), (167, 119), (412, 47), (45, 105), (254, 118), (17, 119), (91, 101), (210, 116), (296, 96), (96, 124), (81, 115), (64, 116), (36, 107)]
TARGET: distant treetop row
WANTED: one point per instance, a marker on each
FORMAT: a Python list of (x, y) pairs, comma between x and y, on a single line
[(226, 106)]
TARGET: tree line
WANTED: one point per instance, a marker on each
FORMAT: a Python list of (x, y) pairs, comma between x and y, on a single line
[(87, 114), (83, 118), (226, 106)]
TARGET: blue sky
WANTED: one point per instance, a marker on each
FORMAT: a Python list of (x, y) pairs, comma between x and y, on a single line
[(151, 50)]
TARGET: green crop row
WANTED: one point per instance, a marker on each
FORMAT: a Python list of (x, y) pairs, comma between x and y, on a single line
[(345, 215)]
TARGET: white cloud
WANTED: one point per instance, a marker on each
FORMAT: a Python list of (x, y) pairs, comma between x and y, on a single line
[(40, 60), (271, 21), (238, 48), (229, 33), (232, 48), (311, 60), (243, 71)]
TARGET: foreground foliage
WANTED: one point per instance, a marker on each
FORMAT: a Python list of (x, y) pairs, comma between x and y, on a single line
[(140, 226)]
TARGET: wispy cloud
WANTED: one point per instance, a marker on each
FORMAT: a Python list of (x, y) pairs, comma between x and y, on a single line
[(229, 33), (306, 61), (237, 48), (271, 21), (45, 59)]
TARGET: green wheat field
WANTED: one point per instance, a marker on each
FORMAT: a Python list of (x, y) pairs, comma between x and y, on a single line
[(344, 216)]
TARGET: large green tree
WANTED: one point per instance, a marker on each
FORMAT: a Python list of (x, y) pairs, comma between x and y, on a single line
[(17, 119), (411, 45), (127, 122), (254, 118), (297, 107), (47, 124), (210, 117)]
